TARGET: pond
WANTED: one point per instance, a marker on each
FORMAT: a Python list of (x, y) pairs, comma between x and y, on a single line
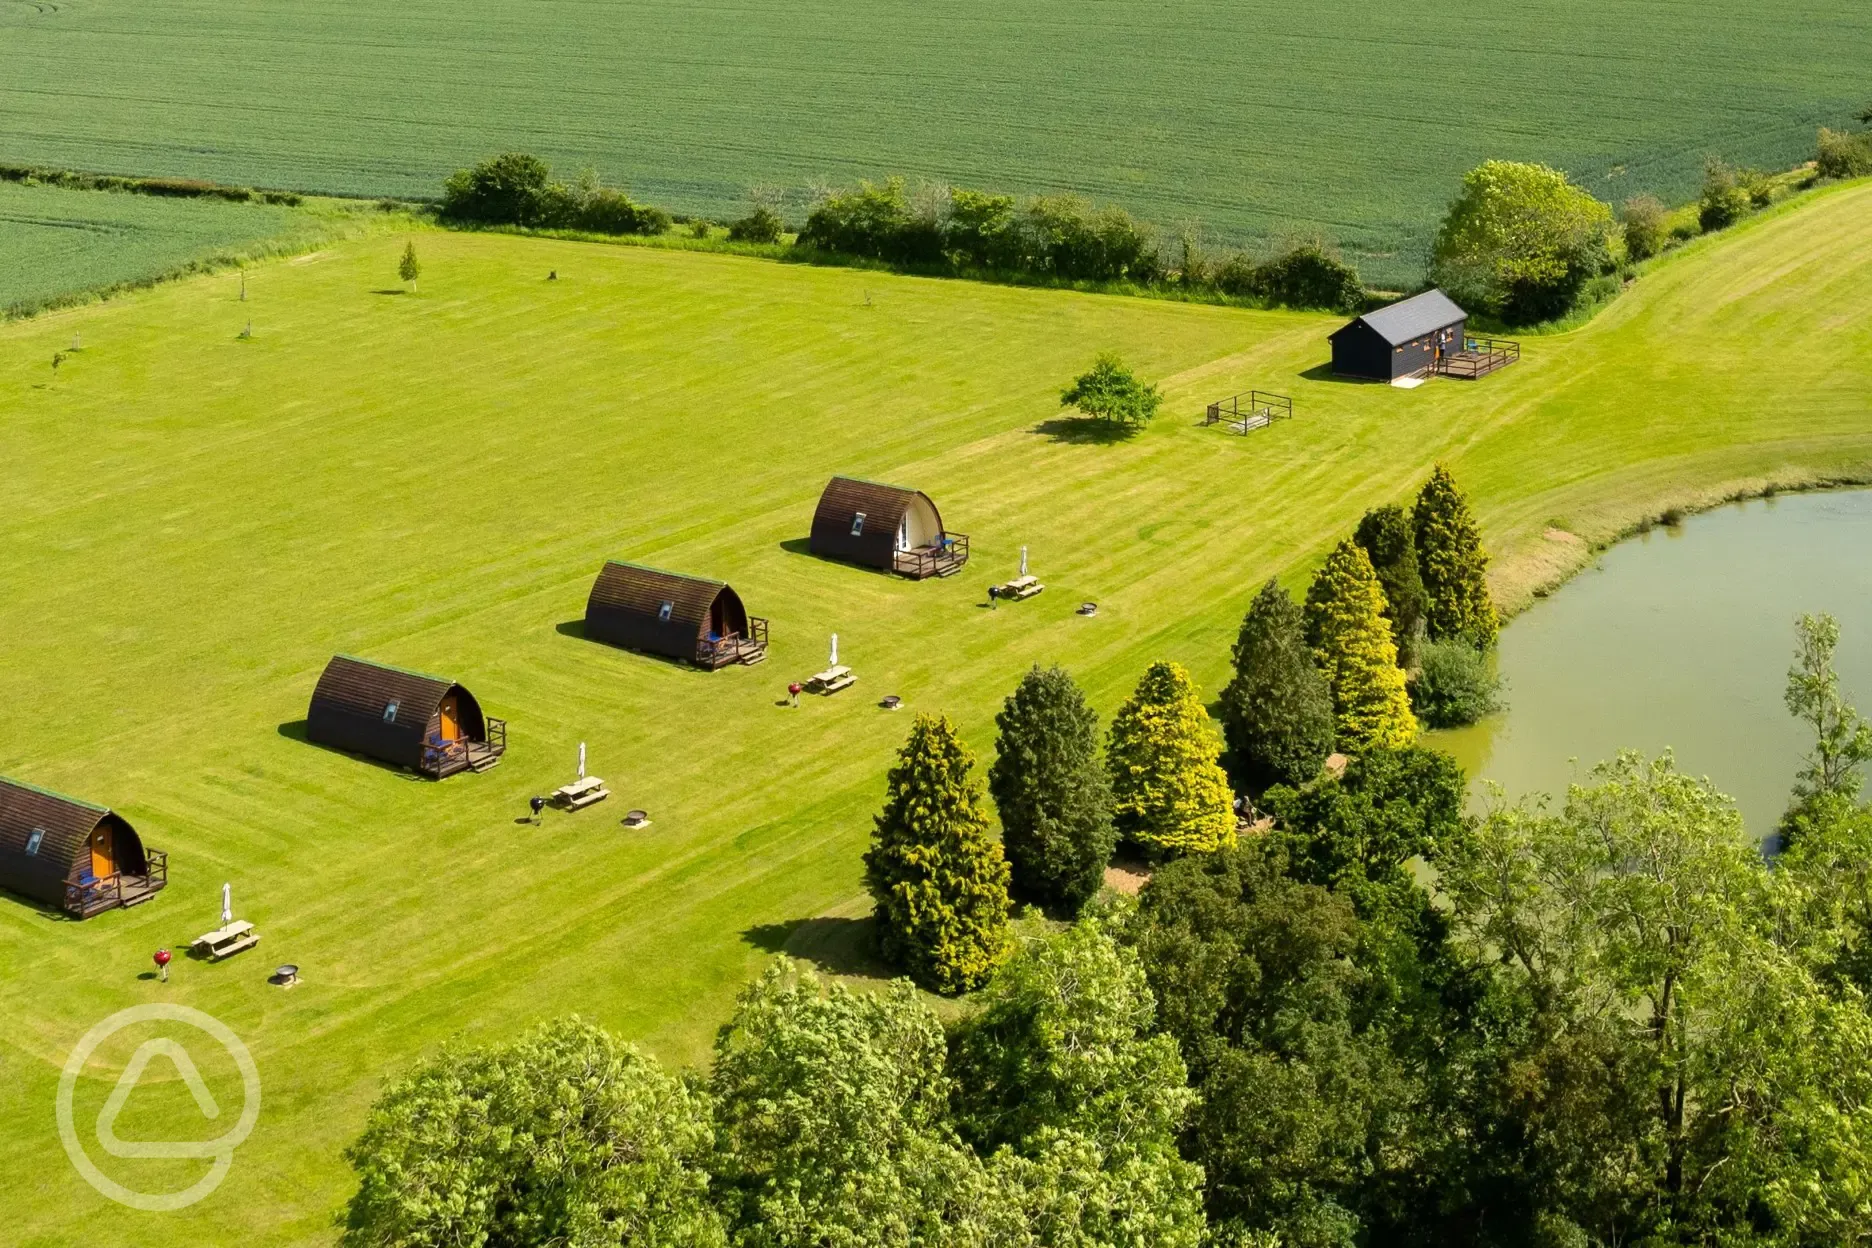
[(1682, 638)]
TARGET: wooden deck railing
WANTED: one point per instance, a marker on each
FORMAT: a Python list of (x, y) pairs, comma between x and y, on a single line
[(1479, 357), (445, 758), (734, 648), (940, 560), (87, 897)]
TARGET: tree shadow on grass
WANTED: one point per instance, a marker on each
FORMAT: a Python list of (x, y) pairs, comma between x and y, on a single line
[(1085, 431), (837, 946), (389, 292)]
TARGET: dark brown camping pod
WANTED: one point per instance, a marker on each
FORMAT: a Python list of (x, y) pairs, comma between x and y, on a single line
[(425, 723), (73, 855), (885, 526), (680, 617)]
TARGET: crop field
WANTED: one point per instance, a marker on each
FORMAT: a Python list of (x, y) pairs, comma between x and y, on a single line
[(195, 521), (1252, 117), (55, 242)]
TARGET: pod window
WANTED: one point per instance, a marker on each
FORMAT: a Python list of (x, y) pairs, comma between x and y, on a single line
[(858, 524), (389, 713), (32, 842), (664, 610)]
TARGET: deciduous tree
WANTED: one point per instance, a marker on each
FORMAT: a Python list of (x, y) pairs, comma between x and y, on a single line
[(564, 1136), (1842, 738), (409, 268), (938, 877), (1520, 241), (1453, 564), (1051, 790), (1351, 640), (1170, 794), (1111, 391), (1277, 711)]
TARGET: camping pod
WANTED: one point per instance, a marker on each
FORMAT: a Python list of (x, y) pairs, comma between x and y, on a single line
[(885, 526), (1402, 339), (680, 617), (425, 723), (72, 855)]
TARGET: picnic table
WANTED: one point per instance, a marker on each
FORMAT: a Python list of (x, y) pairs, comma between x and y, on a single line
[(832, 680), (581, 793), (1022, 587), (227, 941)]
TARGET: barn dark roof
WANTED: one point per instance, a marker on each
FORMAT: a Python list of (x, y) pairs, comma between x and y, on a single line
[(1410, 319), (626, 608), (883, 507), (66, 823), (353, 696)]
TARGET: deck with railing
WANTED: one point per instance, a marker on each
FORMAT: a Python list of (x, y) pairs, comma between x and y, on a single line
[(85, 898), (944, 558), (1478, 358), (746, 648), (445, 758)]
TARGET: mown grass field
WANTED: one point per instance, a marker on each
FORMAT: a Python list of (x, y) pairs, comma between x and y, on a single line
[(193, 523), (1256, 117)]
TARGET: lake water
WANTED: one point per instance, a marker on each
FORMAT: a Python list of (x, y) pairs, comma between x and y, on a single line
[(1682, 638)]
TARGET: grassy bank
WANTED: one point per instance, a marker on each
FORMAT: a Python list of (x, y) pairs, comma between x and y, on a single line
[(196, 521)]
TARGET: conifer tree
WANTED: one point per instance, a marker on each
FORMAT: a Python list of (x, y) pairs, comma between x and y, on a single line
[(1387, 536), (1277, 712), (409, 268), (1170, 794), (1453, 563), (1051, 791), (938, 877), (1351, 638)]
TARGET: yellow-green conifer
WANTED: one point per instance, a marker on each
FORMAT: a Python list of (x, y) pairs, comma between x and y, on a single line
[(1453, 564), (937, 875), (1351, 638), (1170, 794)]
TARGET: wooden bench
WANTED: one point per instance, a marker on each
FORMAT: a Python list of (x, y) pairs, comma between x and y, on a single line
[(581, 793), (832, 680), (227, 941), (1021, 587)]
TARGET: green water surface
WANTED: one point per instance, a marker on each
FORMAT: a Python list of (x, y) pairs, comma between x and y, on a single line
[(1681, 638)]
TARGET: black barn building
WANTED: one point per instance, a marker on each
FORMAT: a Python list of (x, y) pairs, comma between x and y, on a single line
[(1400, 339)]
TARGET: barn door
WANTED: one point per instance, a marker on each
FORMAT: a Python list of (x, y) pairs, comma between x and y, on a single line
[(451, 719), (103, 853)]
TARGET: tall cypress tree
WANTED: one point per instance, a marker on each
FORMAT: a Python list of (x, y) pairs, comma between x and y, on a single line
[(1454, 565), (1052, 792), (1387, 535), (1170, 794), (1277, 711), (937, 876), (1345, 622)]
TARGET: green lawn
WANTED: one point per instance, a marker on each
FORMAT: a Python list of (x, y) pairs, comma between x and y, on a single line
[(1253, 116), (194, 522)]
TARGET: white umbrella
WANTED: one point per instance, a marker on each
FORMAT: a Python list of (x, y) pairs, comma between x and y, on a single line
[(834, 662), (581, 774), (1023, 561), (227, 904)]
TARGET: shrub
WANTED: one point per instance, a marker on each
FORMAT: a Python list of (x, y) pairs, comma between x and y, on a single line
[(762, 225), (1277, 712), (1051, 791), (1843, 154), (873, 221), (1725, 200), (1111, 391), (983, 232), (509, 189), (1351, 639), (602, 210), (1236, 275), (1069, 238), (1310, 275), (938, 877), (1643, 219), (1520, 241), (1169, 793), (1454, 685)]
